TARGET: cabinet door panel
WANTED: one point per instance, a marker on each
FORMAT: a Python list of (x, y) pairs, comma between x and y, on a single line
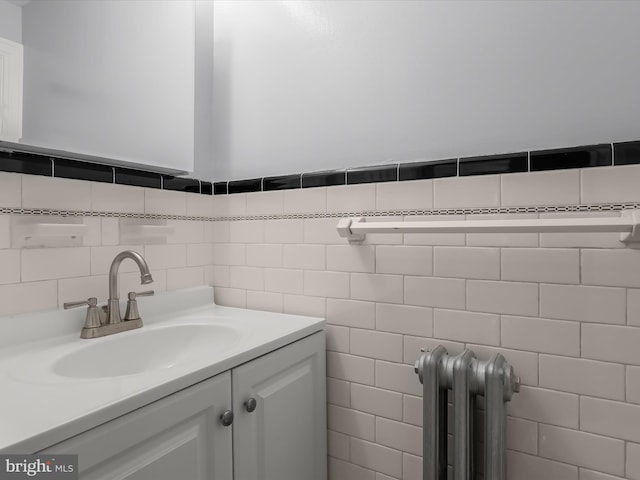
[(179, 436), (285, 437)]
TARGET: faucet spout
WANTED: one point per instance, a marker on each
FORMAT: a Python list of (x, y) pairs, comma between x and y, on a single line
[(113, 306)]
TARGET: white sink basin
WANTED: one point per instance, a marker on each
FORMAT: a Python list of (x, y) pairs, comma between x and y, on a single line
[(144, 350)]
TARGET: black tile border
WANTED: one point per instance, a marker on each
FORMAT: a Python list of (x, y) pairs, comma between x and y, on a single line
[(586, 156)]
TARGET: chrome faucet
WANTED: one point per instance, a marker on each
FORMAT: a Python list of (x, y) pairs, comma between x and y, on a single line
[(113, 305), (107, 320)]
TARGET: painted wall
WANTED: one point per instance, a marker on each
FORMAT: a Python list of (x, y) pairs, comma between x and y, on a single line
[(10, 21), (303, 86), (112, 79)]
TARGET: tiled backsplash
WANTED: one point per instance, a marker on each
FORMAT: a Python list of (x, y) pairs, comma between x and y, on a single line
[(564, 309)]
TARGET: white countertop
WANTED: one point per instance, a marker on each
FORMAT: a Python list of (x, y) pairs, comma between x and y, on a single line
[(39, 408)]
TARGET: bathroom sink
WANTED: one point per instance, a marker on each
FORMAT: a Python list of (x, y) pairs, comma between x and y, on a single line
[(144, 350)]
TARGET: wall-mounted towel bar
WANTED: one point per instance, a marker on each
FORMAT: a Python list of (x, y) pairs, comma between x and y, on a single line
[(628, 224)]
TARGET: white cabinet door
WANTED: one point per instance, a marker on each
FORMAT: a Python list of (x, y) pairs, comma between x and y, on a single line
[(284, 438), (178, 437)]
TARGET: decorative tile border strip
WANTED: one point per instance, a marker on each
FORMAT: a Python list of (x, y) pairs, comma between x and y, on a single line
[(604, 207)]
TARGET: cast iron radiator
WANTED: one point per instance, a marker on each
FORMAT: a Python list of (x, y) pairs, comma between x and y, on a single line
[(467, 377)]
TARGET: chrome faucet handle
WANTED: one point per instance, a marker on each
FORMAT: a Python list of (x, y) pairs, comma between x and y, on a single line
[(93, 318), (132, 305)]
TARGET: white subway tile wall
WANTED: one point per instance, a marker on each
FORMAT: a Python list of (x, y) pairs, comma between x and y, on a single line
[(563, 310)]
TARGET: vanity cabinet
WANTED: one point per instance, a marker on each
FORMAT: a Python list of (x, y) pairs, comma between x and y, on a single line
[(278, 430)]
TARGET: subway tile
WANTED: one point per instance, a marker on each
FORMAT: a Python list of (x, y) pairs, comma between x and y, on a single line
[(411, 467), (411, 195), (633, 384), (377, 287), (166, 256), (283, 280), (185, 277), (229, 254), (283, 231), (586, 377), (597, 342), (633, 461), (338, 392), (413, 347), (116, 198), (468, 262), (28, 297), (180, 184), (426, 170), (165, 202), (229, 205), (573, 157), (383, 238), (591, 475), (479, 328), (378, 345), (137, 178), (304, 305), (435, 292), (199, 254), (220, 276), (217, 232), (397, 377), (502, 297), (264, 301), (492, 164), (541, 188), (525, 364), (18, 162), (350, 367), (528, 467), (412, 410), (398, 435), (340, 470), (581, 240), (351, 313), (541, 335), (110, 231), (610, 184), (265, 203), (502, 239), (376, 457), (450, 239), (93, 172), (351, 258), (522, 435), (246, 231), (10, 190), (583, 303), (633, 307), (614, 268), (53, 263), (101, 258), (461, 192), (351, 198), (282, 182), (199, 205), (264, 255), (5, 231), (249, 278), (230, 297), (351, 422), (545, 406), (305, 201), (541, 265), (324, 179), (338, 445), (206, 188), (186, 231), (609, 418), (55, 193), (130, 282), (220, 188), (626, 153), (326, 284), (10, 261), (375, 174), (404, 259), (308, 257), (337, 338), (81, 288), (322, 231), (404, 319), (244, 186), (382, 403)]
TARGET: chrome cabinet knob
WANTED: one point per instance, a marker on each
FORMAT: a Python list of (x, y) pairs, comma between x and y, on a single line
[(251, 404), (226, 418)]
